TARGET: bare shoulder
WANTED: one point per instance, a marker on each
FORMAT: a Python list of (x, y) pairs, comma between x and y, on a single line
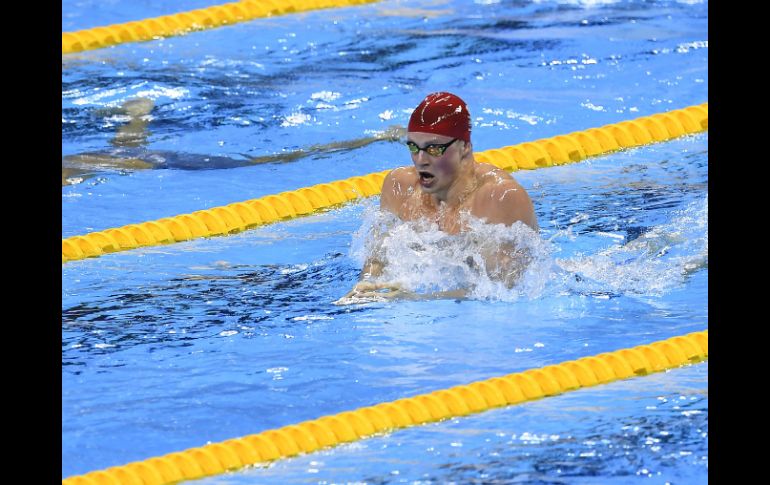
[(501, 199), (396, 187)]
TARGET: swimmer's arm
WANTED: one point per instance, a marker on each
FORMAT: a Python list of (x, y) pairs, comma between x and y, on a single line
[(372, 269), (393, 195), (506, 202), (506, 263), (396, 189), (448, 295), (392, 198), (366, 291)]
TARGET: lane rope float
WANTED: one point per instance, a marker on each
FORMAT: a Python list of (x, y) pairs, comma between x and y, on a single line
[(239, 216), (185, 22), (348, 426)]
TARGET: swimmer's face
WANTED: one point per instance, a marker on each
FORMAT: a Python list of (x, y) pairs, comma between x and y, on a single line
[(436, 172)]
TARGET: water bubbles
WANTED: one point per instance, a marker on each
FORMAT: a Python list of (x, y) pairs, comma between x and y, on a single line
[(686, 47), (326, 96), (295, 119), (304, 318), (277, 372), (424, 259), (509, 114), (579, 217), (654, 262), (592, 106)]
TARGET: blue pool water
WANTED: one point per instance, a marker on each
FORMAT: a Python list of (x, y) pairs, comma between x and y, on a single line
[(170, 347)]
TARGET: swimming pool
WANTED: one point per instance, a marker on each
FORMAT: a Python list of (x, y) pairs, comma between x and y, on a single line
[(169, 347)]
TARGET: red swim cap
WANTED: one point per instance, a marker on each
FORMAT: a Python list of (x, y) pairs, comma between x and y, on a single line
[(442, 114)]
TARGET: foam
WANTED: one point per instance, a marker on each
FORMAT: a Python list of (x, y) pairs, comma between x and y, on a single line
[(423, 259)]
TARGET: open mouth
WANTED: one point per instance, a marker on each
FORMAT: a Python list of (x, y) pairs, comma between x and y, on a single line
[(426, 177)]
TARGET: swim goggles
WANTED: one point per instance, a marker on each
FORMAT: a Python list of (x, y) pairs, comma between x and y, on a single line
[(434, 150)]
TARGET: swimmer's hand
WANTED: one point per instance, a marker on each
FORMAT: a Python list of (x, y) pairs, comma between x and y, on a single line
[(367, 292)]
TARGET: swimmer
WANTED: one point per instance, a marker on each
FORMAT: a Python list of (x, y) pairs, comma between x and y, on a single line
[(443, 183), (130, 151), (128, 142)]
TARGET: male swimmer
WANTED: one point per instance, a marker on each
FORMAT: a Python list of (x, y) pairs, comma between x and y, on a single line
[(443, 183)]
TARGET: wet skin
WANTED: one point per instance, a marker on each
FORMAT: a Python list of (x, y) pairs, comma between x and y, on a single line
[(440, 189)]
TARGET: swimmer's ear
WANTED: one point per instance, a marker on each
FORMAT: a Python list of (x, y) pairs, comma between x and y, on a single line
[(468, 148)]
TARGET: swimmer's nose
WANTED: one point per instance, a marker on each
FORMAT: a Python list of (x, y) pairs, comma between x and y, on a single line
[(422, 159)]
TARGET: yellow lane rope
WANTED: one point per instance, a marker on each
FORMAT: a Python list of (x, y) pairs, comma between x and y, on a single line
[(328, 431), (182, 23), (238, 216)]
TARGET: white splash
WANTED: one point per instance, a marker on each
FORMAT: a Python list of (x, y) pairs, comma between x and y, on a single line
[(294, 268), (277, 372), (512, 115), (96, 97), (153, 93), (295, 119), (683, 48), (355, 103), (592, 106), (531, 119), (424, 259), (327, 96), (304, 318), (652, 264), (162, 91)]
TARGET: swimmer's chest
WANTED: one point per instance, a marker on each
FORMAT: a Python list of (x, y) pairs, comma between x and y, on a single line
[(418, 206)]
